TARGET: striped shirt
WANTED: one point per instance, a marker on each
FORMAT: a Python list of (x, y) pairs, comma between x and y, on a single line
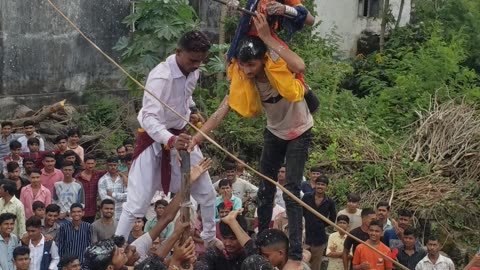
[(119, 192), (73, 241)]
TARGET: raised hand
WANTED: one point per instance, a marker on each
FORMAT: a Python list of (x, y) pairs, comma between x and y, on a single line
[(232, 216), (200, 168)]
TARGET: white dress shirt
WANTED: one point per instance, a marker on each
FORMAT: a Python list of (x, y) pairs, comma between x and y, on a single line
[(442, 263), (36, 254)]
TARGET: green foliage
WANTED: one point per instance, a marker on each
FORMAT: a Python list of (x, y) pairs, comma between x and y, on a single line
[(158, 26)]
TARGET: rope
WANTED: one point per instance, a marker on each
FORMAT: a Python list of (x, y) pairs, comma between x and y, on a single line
[(295, 198)]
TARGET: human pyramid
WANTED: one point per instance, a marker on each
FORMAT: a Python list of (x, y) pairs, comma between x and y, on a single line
[(48, 206)]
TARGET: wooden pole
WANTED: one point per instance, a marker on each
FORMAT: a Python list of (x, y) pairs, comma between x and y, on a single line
[(185, 193)]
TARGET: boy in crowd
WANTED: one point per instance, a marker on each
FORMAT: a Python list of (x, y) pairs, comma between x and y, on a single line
[(8, 240), (364, 258), (50, 175), (383, 214), (34, 152), (309, 186), (335, 244), (50, 226), (240, 187), (43, 253), (29, 129), (104, 228), (111, 186), (74, 236), (392, 237), (13, 170), (226, 197), (409, 254), (28, 165), (73, 139), (61, 143), (434, 260), (73, 157), (15, 155), (69, 262), (368, 215), (21, 258), (10, 204), (352, 211), (89, 178), (35, 192), (160, 206), (67, 191), (315, 235), (5, 139), (38, 208)]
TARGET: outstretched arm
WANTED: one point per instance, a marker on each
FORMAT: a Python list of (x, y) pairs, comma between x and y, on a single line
[(215, 119), (231, 221)]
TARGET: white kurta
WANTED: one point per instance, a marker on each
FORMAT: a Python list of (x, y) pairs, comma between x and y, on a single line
[(170, 85)]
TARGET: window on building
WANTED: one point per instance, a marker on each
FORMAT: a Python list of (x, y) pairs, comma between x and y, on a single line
[(369, 8)]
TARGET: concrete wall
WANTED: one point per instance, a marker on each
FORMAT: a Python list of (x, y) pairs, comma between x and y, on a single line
[(341, 17), (45, 59)]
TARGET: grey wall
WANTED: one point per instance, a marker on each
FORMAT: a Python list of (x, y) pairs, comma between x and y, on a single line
[(44, 57)]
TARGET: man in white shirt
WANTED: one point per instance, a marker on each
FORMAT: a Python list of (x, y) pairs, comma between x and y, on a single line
[(163, 134), (29, 129), (43, 254), (111, 186), (434, 260), (352, 211), (241, 188)]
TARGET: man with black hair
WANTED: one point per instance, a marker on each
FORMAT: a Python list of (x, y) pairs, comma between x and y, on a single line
[(21, 258), (104, 228), (69, 262), (240, 187), (160, 206), (8, 240), (34, 152), (50, 174), (121, 153), (434, 260), (313, 174), (128, 143), (73, 157), (315, 235), (89, 178), (383, 214), (74, 236), (35, 192), (43, 253), (273, 245), (111, 186), (227, 198), (238, 246), (13, 170), (73, 139), (392, 237), (10, 204), (265, 81), (28, 165), (352, 211), (105, 255), (61, 143), (15, 155), (67, 191), (365, 258), (163, 135), (368, 215), (409, 254), (29, 129), (6, 137), (50, 225)]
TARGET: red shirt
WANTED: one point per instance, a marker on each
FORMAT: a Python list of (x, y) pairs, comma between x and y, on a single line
[(91, 191)]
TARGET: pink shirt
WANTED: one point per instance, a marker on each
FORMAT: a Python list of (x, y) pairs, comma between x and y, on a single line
[(27, 198), (49, 179)]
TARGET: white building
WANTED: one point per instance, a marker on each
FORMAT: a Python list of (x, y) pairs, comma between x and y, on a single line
[(348, 18)]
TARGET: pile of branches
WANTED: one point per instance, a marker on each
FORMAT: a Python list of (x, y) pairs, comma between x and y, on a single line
[(51, 121), (447, 138)]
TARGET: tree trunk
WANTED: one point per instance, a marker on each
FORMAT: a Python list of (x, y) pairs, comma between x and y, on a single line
[(383, 27), (185, 193), (402, 4), (41, 115)]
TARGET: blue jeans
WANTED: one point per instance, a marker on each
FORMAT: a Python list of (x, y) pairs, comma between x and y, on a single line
[(294, 153)]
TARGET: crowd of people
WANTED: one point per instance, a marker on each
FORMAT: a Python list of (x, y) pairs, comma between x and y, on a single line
[(64, 216)]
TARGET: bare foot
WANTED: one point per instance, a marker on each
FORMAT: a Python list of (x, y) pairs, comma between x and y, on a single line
[(293, 265)]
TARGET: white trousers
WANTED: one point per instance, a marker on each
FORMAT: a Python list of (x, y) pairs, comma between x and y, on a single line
[(144, 179)]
